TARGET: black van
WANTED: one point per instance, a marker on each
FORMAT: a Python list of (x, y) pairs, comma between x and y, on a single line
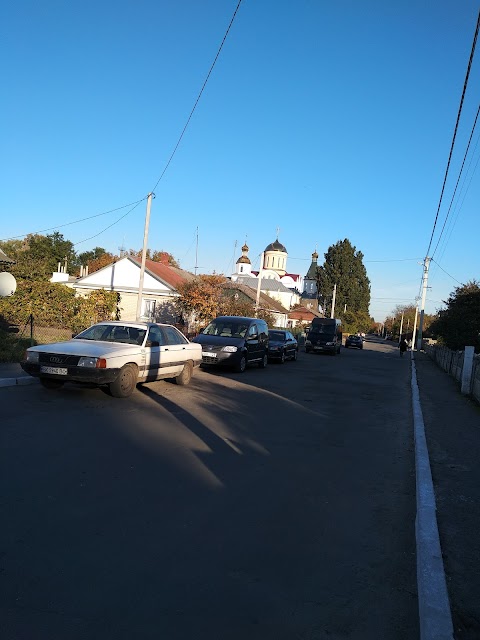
[(234, 341), (325, 335)]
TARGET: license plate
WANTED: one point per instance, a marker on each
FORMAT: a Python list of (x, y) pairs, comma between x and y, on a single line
[(209, 354), (57, 371), (319, 348)]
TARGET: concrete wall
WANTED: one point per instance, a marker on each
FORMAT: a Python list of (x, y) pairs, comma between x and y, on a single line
[(452, 362)]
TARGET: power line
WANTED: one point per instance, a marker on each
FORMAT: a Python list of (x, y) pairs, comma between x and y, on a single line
[(456, 129), (109, 226), (67, 224), (450, 276), (458, 180), (166, 166), (198, 97)]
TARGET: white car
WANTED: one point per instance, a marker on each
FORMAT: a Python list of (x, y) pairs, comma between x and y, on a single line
[(116, 354)]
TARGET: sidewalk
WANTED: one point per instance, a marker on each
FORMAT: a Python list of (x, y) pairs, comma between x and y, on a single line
[(11, 374), (452, 430)]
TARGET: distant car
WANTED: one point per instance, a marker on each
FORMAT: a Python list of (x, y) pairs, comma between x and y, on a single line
[(354, 341), (234, 341), (117, 355), (282, 345)]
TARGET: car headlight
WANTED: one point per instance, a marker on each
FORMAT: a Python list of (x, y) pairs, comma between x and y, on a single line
[(92, 363), (308, 342), (32, 356), (229, 349), (329, 344)]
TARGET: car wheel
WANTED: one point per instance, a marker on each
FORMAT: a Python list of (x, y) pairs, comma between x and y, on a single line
[(241, 365), (282, 358), (263, 362), (186, 375), (125, 383), (51, 384), (295, 355)]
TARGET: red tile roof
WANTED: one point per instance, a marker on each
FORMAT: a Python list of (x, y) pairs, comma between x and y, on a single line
[(168, 274), (302, 313)]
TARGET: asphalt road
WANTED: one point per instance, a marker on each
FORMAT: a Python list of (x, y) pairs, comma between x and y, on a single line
[(277, 504)]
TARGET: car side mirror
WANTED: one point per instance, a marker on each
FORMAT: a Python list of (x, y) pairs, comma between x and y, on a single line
[(153, 343)]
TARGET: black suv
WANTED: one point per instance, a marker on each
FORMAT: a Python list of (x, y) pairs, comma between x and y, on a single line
[(234, 341)]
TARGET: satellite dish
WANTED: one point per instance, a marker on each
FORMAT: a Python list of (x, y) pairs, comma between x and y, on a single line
[(8, 284)]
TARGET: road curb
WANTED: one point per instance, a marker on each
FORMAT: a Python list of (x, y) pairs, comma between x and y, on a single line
[(433, 603)]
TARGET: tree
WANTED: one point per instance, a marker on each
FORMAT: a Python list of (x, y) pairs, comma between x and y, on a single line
[(344, 267), (394, 322), (103, 260), (95, 307), (55, 305), (201, 297), (156, 256), (37, 256), (88, 256), (458, 325)]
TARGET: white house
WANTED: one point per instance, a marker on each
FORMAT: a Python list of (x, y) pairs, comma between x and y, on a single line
[(159, 287)]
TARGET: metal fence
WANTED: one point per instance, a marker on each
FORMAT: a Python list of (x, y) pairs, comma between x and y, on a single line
[(15, 338)]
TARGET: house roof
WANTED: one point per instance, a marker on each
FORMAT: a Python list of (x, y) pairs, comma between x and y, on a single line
[(4, 259), (117, 276), (172, 276), (265, 301), (268, 284), (302, 313)]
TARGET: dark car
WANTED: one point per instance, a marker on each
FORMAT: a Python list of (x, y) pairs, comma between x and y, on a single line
[(354, 341), (282, 345), (234, 341)]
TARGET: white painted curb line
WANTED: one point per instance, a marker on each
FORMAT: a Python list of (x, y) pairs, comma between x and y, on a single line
[(433, 603)]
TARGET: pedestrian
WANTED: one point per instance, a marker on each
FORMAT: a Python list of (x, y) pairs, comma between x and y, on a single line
[(403, 346)]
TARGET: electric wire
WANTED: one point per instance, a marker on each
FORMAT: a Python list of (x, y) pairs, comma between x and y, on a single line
[(458, 209), (166, 166), (111, 225), (455, 131), (458, 181), (67, 224), (448, 274), (198, 97)]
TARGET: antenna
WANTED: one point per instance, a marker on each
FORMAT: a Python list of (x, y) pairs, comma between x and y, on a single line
[(196, 253), (121, 248), (234, 254)]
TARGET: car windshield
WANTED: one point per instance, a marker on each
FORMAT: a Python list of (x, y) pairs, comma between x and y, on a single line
[(323, 328), (113, 333), (276, 335), (226, 329)]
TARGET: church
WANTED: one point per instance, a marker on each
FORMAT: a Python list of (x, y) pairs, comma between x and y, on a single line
[(290, 289)]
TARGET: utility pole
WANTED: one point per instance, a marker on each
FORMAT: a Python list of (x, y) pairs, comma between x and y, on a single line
[(259, 284), (144, 256), (414, 326), (426, 265), (401, 329), (332, 313)]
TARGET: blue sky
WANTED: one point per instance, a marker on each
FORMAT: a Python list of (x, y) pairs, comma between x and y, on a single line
[(326, 120)]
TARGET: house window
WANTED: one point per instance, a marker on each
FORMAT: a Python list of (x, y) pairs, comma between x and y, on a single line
[(149, 310)]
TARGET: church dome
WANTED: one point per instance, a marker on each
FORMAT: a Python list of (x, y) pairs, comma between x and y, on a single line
[(276, 246), (245, 247), (244, 260)]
